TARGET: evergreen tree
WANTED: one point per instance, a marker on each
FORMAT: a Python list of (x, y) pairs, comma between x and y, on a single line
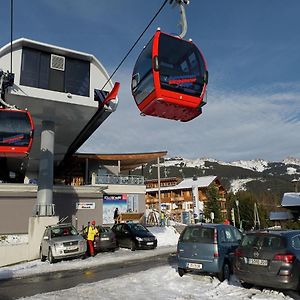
[(213, 205)]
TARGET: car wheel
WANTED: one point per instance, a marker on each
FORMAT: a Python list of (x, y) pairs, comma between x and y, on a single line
[(42, 257), (133, 246), (51, 259), (246, 285), (225, 272), (181, 272)]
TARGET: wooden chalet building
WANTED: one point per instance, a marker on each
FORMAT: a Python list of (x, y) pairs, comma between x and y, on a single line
[(176, 194)]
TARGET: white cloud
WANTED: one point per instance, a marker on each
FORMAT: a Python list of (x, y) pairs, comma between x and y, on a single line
[(234, 125)]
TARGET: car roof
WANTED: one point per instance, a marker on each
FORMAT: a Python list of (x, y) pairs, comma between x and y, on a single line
[(287, 232), (209, 225), (59, 225)]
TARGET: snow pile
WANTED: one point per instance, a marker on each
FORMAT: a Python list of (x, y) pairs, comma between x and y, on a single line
[(166, 236), (13, 239), (162, 283)]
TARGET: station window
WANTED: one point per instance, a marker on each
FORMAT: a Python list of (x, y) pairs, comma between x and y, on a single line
[(36, 72)]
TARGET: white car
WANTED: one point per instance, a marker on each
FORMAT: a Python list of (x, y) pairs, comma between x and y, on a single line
[(62, 241)]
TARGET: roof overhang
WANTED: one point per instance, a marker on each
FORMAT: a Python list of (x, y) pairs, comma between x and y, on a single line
[(128, 161)]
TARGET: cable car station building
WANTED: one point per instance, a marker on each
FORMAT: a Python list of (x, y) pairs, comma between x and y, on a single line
[(68, 95)]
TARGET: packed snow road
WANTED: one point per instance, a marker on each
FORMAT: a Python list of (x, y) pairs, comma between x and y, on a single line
[(55, 281)]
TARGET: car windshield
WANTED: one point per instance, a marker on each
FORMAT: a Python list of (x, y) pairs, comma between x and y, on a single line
[(263, 241), (63, 231), (103, 229), (198, 235), (137, 227)]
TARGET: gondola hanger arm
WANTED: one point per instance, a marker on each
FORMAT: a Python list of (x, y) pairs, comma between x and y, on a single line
[(183, 21)]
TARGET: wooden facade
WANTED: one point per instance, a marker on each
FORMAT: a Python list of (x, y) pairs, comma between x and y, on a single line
[(176, 195)]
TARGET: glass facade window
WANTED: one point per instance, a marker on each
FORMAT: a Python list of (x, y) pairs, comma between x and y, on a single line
[(37, 72)]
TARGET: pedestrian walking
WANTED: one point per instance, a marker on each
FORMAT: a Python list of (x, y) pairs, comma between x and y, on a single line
[(91, 232), (162, 218)]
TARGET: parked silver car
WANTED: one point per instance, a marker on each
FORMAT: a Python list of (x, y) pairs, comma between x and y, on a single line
[(62, 241)]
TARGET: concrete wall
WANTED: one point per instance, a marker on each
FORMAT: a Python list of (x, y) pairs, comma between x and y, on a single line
[(17, 205), (12, 254)]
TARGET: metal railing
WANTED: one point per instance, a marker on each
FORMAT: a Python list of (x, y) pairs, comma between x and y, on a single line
[(114, 179)]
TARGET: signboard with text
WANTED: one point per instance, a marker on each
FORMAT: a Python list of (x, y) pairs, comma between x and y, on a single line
[(110, 203)]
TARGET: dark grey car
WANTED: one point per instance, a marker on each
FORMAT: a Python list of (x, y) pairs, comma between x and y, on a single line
[(269, 259), (208, 248)]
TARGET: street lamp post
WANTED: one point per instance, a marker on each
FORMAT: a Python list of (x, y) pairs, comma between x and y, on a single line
[(295, 182), (238, 211)]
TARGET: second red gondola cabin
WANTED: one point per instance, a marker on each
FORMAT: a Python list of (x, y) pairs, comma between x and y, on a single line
[(16, 133)]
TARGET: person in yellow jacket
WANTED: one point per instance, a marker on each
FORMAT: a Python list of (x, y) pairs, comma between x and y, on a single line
[(91, 232)]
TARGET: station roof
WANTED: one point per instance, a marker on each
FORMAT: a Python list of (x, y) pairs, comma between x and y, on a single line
[(291, 200), (187, 183), (128, 161)]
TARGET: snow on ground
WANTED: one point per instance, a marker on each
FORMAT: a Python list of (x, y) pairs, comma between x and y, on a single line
[(157, 283), (161, 283), (167, 238)]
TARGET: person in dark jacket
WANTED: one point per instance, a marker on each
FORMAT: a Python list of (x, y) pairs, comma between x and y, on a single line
[(116, 215)]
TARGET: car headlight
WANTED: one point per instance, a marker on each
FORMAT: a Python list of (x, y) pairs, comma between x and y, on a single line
[(58, 245), (139, 239)]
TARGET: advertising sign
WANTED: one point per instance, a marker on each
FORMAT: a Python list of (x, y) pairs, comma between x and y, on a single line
[(110, 203)]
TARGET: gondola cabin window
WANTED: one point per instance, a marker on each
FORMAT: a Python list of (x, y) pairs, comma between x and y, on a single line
[(142, 78), (181, 70), (15, 129)]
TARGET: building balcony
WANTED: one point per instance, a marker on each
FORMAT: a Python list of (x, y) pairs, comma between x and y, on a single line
[(114, 179)]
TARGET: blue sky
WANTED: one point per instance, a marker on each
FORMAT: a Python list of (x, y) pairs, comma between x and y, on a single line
[(252, 50)]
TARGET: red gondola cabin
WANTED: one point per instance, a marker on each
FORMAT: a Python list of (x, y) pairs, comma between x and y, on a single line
[(169, 79), (16, 133)]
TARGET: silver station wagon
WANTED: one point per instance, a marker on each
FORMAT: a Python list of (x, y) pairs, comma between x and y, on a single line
[(62, 241)]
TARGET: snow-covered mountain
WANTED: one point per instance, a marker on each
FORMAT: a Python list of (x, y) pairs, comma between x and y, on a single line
[(258, 165), (258, 175)]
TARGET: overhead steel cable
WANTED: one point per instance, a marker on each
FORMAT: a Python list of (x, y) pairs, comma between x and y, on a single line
[(129, 51)]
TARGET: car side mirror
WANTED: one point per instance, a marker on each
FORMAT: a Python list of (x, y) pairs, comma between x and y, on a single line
[(155, 63)]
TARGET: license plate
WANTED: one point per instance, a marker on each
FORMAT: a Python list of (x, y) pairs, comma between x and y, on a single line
[(257, 262), (194, 266), (150, 243), (71, 247), (105, 239)]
